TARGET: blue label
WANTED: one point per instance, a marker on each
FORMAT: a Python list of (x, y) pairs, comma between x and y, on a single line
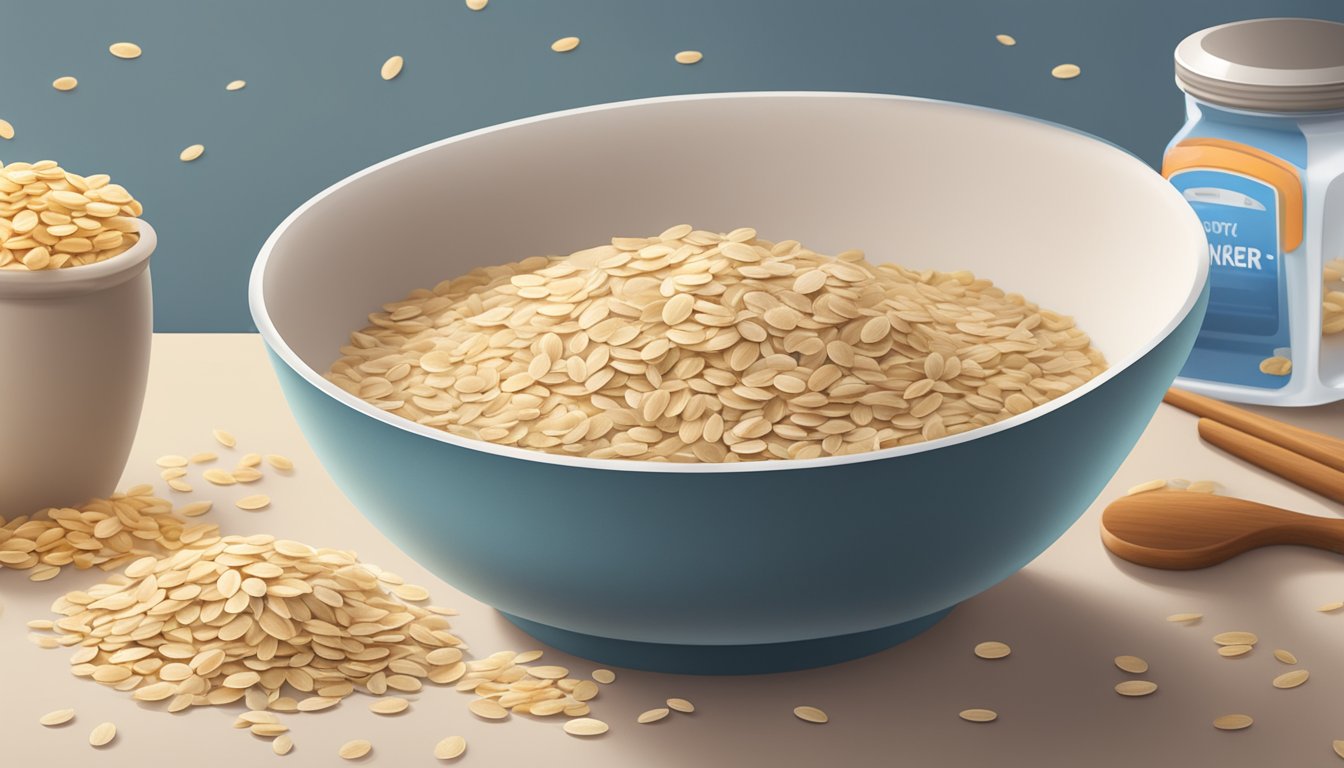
[(1241, 221), (1247, 319)]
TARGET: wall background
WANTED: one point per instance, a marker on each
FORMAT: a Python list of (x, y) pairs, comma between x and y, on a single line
[(315, 109)]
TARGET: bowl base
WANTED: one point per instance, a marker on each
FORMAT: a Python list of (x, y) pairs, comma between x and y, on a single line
[(727, 659)]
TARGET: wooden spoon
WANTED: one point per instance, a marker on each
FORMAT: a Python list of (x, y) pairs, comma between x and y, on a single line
[(1180, 530)]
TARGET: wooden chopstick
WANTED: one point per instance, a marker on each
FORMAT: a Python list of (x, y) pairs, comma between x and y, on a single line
[(1291, 466), (1320, 448)]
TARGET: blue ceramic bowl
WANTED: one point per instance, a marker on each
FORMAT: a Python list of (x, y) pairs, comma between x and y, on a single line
[(765, 565)]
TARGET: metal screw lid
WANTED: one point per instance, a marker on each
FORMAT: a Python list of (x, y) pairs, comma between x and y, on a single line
[(1265, 65)]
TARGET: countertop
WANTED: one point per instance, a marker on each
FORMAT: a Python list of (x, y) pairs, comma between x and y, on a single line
[(1066, 616)]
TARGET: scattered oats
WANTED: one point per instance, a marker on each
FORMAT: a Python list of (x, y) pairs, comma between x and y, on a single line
[(548, 673), (585, 690), (223, 619), (604, 676), (43, 573), (688, 57), (125, 50), (195, 508), (66, 83), (681, 705), (1008, 40), (202, 458), (102, 734), (110, 673), (1202, 486), (1066, 71), (392, 67), (173, 474), (181, 486), (1135, 687), (1232, 651), (389, 706), (810, 714), (6, 130), (293, 548), (453, 746), (445, 656), (236, 85), (1291, 679), (317, 703), (653, 715), (636, 370), (154, 691), (1182, 618), (246, 475), (1232, 722), (250, 460), (488, 709), (585, 726), (283, 744), (225, 438), (1131, 664), (282, 463), (475, 5), (253, 502), (1236, 638), (565, 44), (546, 708), (57, 717), (411, 592), (269, 730), (1276, 366), (979, 715), (171, 461), (1331, 607), (524, 657), (1338, 744), (219, 477), (1151, 485), (992, 650), (1286, 657), (242, 679), (355, 749), (254, 717), (191, 153)]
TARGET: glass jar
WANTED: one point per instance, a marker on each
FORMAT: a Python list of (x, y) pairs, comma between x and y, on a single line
[(1261, 160)]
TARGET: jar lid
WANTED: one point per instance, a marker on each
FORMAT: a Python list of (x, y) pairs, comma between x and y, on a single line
[(1265, 65)]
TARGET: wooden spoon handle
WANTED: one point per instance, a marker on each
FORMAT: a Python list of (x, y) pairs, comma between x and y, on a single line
[(1312, 475), (1182, 530), (1314, 445)]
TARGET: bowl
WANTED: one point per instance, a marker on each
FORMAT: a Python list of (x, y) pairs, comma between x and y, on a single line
[(75, 360), (756, 566)]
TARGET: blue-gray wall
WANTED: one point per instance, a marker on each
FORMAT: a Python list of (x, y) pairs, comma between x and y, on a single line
[(315, 110)]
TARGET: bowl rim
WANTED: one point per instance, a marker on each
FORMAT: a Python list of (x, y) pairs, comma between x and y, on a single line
[(273, 339)]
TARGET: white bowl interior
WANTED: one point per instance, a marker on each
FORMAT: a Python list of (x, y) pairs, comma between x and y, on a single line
[(1070, 222)]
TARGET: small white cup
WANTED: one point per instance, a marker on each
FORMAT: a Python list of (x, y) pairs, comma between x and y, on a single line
[(74, 357)]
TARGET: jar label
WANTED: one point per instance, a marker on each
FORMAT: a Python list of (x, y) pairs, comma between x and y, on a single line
[(1240, 217), (1247, 318)]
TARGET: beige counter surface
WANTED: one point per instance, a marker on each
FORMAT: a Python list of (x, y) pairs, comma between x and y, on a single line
[(1066, 616)]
